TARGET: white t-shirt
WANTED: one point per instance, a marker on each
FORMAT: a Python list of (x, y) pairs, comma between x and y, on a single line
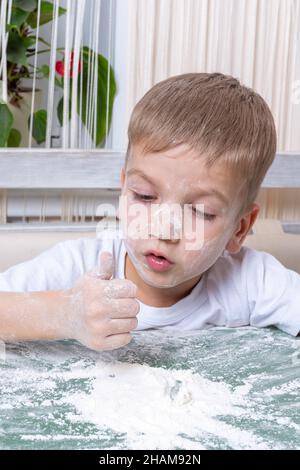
[(247, 288)]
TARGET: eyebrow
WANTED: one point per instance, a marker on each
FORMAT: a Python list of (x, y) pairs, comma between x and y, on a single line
[(210, 192), (137, 172)]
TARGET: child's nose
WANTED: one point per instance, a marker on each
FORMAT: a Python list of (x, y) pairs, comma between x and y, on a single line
[(166, 223)]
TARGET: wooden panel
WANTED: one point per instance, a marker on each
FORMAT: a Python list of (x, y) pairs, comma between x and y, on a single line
[(284, 172), (56, 169), (287, 227), (77, 169), (58, 227)]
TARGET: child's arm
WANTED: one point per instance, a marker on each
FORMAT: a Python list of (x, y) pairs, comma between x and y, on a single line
[(97, 311), (33, 316)]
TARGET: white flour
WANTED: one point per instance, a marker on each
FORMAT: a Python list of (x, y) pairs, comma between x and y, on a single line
[(154, 406), (243, 396)]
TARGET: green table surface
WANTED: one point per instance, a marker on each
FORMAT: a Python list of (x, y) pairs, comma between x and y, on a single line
[(213, 389)]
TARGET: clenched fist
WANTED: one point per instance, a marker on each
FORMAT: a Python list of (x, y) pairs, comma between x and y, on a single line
[(102, 310)]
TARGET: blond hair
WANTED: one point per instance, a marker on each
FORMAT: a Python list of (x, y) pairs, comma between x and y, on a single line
[(215, 115)]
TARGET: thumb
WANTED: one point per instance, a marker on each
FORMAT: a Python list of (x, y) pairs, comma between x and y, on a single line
[(105, 268)]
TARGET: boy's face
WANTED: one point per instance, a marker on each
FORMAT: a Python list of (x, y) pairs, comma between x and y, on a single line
[(159, 184)]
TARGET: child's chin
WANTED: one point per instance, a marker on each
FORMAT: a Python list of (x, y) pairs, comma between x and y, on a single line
[(163, 280)]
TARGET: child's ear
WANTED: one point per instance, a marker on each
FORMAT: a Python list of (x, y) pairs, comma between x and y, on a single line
[(244, 226)]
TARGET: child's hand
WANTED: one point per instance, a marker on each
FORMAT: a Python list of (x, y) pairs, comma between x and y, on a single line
[(102, 311)]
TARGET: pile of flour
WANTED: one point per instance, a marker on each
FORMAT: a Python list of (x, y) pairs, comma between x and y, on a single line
[(162, 409)]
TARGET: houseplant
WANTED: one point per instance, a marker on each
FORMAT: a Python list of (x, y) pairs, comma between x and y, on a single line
[(20, 50)]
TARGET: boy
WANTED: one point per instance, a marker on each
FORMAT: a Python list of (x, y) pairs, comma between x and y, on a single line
[(194, 139)]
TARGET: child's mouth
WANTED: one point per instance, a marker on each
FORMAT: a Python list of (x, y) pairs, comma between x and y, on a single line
[(158, 263)]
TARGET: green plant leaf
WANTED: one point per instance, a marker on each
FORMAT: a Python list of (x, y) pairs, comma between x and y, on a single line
[(14, 138), (26, 5), (58, 82), (39, 125), (18, 17), (16, 50), (29, 41), (6, 122), (45, 70), (101, 91), (46, 14), (60, 110)]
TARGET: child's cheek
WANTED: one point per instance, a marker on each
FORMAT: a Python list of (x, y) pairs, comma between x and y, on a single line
[(200, 254), (196, 262)]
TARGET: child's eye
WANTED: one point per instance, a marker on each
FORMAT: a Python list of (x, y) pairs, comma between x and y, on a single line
[(147, 198), (143, 197), (209, 217)]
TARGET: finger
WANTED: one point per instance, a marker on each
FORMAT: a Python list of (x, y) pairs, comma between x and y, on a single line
[(120, 288), (121, 325), (105, 267), (116, 341), (123, 308)]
